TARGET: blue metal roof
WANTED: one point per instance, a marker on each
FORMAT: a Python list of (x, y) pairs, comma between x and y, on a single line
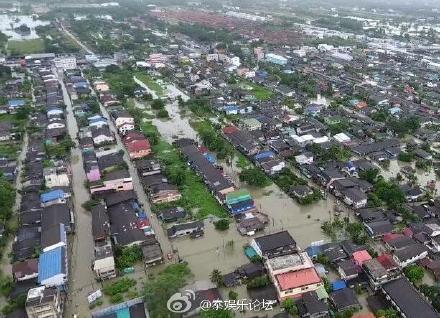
[(51, 263), (51, 196), (339, 284)]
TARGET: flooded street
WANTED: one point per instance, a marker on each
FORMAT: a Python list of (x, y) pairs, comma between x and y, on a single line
[(82, 279)]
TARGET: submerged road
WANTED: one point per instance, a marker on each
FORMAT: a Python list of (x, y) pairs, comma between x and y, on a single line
[(81, 277)]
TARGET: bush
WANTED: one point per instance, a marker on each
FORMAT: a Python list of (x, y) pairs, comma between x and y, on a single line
[(162, 114), (222, 224), (254, 177), (117, 298), (157, 104), (90, 204), (119, 287), (258, 282), (128, 256)]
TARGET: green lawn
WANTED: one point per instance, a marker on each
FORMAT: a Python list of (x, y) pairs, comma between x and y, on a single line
[(26, 46), (195, 195), (260, 92), (150, 82)]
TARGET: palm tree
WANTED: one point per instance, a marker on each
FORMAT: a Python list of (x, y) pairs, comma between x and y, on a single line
[(216, 277)]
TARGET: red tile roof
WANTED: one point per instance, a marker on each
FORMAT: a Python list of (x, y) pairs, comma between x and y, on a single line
[(387, 261), (361, 256), (391, 236), (297, 279), (138, 145), (230, 130)]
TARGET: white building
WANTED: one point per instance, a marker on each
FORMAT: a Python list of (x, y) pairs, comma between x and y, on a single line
[(65, 63), (43, 302)]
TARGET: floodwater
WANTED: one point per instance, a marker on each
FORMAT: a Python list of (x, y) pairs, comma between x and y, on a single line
[(423, 177), (81, 279), (9, 22), (224, 250)]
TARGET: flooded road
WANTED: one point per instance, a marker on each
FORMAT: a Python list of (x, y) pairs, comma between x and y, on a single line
[(82, 279)]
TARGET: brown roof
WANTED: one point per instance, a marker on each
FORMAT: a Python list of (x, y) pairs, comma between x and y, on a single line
[(27, 267)]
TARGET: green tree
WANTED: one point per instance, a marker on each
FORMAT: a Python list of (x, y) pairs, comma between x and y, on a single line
[(216, 313), (157, 104), (222, 224), (232, 295), (216, 277), (254, 177), (160, 288), (387, 313), (290, 307), (415, 273)]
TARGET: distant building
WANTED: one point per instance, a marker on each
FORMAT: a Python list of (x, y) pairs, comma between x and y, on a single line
[(276, 59), (65, 63)]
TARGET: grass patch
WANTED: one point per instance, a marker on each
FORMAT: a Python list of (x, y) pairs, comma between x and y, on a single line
[(260, 92), (150, 82), (195, 195), (26, 46)]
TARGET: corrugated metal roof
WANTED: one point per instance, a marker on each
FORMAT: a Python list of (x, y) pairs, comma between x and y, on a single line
[(51, 263)]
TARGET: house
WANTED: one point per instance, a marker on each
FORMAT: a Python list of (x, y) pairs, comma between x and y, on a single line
[(172, 214), (163, 193), (44, 302), (185, 229), (104, 262), (152, 254), (407, 300), (53, 237), (273, 166), (300, 191), (100, 223), (53, 179), (347, 269), (123, 121), (53, 197), (147, 167), (136, 144), (304, 158), (54, 215), (293, 283), (102, 136), (273, 245), (52, 271), (377, 273), (344, 299), (113, 181), (360, 257), (410, 254), (309, 306), (25, 270)]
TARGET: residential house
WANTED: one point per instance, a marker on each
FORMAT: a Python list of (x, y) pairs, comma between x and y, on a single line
[(44, 302), (273, 245), (183, 229)]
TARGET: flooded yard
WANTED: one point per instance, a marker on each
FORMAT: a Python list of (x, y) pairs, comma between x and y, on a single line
[(8, 24)]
